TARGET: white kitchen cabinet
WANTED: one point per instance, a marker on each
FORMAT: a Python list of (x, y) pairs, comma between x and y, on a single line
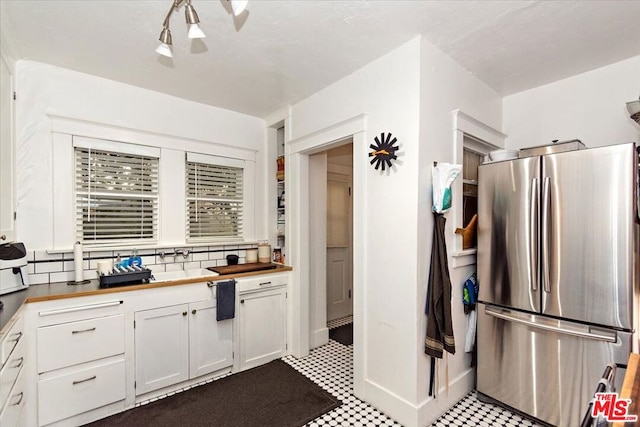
[(7, 155), (13, 407), (80, 360), (89, 387), (176, 343), (262, 322), (162, 347), (210, 341), (12, 384)]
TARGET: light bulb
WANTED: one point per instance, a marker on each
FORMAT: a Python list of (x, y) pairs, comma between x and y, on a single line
[(195, 32), (238, 6), (164, 50)]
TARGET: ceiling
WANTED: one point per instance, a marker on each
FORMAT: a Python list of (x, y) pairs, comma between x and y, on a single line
[(279, 52)]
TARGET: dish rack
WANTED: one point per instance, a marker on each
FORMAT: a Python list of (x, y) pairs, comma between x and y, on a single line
[(117, 278)]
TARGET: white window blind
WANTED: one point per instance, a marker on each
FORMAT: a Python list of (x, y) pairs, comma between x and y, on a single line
[(116, 197), (215, 196)]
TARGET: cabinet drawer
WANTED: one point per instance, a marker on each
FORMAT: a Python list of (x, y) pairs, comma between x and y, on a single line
[(10, 371), (262, 282), (78, 342), (15, 402), (80, 391), (11, 339)]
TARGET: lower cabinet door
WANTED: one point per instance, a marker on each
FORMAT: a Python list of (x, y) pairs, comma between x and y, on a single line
[(161, 347), (210, 341), (10, 414), (262, 323), (70, 394)]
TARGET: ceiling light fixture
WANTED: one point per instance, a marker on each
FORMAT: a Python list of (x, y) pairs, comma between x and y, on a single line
[(194, 30), (238, 6)]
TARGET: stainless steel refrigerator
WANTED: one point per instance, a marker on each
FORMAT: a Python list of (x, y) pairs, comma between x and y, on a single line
[(558, 270)]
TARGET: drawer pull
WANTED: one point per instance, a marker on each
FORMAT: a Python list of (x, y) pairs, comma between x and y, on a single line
[(193, 311), (21, 394), (19, 334), (85, 380), (265, 283), (84, 330), (184, 313), (20, 362)]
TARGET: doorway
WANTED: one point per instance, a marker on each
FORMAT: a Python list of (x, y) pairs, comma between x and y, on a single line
[(308, 308), (339, 234)]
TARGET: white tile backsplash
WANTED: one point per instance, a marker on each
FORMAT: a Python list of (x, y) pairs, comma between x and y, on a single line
[(204, 256), (207, 264), (174, 267), (38, 279), (71, 265), (49, 267), (191, 265), (64, 276), (60, 267)]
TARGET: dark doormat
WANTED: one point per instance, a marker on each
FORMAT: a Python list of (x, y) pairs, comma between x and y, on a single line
[(274, 394), (343, 334)]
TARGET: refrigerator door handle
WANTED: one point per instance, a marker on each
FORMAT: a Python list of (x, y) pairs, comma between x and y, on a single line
[(533, 234), (546, 201), (507, 315)]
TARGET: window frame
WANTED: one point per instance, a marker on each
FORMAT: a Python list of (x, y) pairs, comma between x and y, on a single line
[(123, 149), (206, 159)]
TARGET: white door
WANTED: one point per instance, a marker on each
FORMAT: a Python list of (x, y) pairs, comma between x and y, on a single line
[(210, 341), (263, 326), (339, 253), (161, 347)]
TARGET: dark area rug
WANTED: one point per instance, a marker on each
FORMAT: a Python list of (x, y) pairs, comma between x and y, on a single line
[(274, 394), (343, 334)]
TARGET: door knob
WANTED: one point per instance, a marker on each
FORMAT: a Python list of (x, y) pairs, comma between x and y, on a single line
[(241, 301), (184, 313), (193, 311)]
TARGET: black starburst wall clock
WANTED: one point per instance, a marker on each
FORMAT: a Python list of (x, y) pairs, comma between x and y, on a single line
[(384, 151)]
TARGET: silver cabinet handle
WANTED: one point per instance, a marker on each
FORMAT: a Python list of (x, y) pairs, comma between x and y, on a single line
[(533, 235), (265, 283), (85, 380), (20, 362), (546, 280), (84, 330), (21, 394), (505, 315), (18, 336)]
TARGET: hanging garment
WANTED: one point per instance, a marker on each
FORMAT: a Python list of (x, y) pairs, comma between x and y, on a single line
[(439, 324)]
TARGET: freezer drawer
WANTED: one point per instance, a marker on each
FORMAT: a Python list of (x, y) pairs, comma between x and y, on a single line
[(544, 367)]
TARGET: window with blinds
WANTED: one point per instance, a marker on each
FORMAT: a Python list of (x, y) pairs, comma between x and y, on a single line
[(214, 201), (116, 197)]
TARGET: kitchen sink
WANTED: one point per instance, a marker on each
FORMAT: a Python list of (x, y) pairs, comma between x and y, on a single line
[(182, 274)]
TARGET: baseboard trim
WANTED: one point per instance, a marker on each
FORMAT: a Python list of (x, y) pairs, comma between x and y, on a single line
[(319, 337), (424, 414)]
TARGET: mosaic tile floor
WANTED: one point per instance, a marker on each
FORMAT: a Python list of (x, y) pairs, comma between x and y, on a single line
[(331, 367)]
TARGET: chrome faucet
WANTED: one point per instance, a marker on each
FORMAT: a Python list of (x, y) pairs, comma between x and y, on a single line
[(184, 252)]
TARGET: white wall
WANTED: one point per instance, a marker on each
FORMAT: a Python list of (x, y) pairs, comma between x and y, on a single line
[(411, 93), (445, 86), (386, 90), (589, 106), (44, 89)]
